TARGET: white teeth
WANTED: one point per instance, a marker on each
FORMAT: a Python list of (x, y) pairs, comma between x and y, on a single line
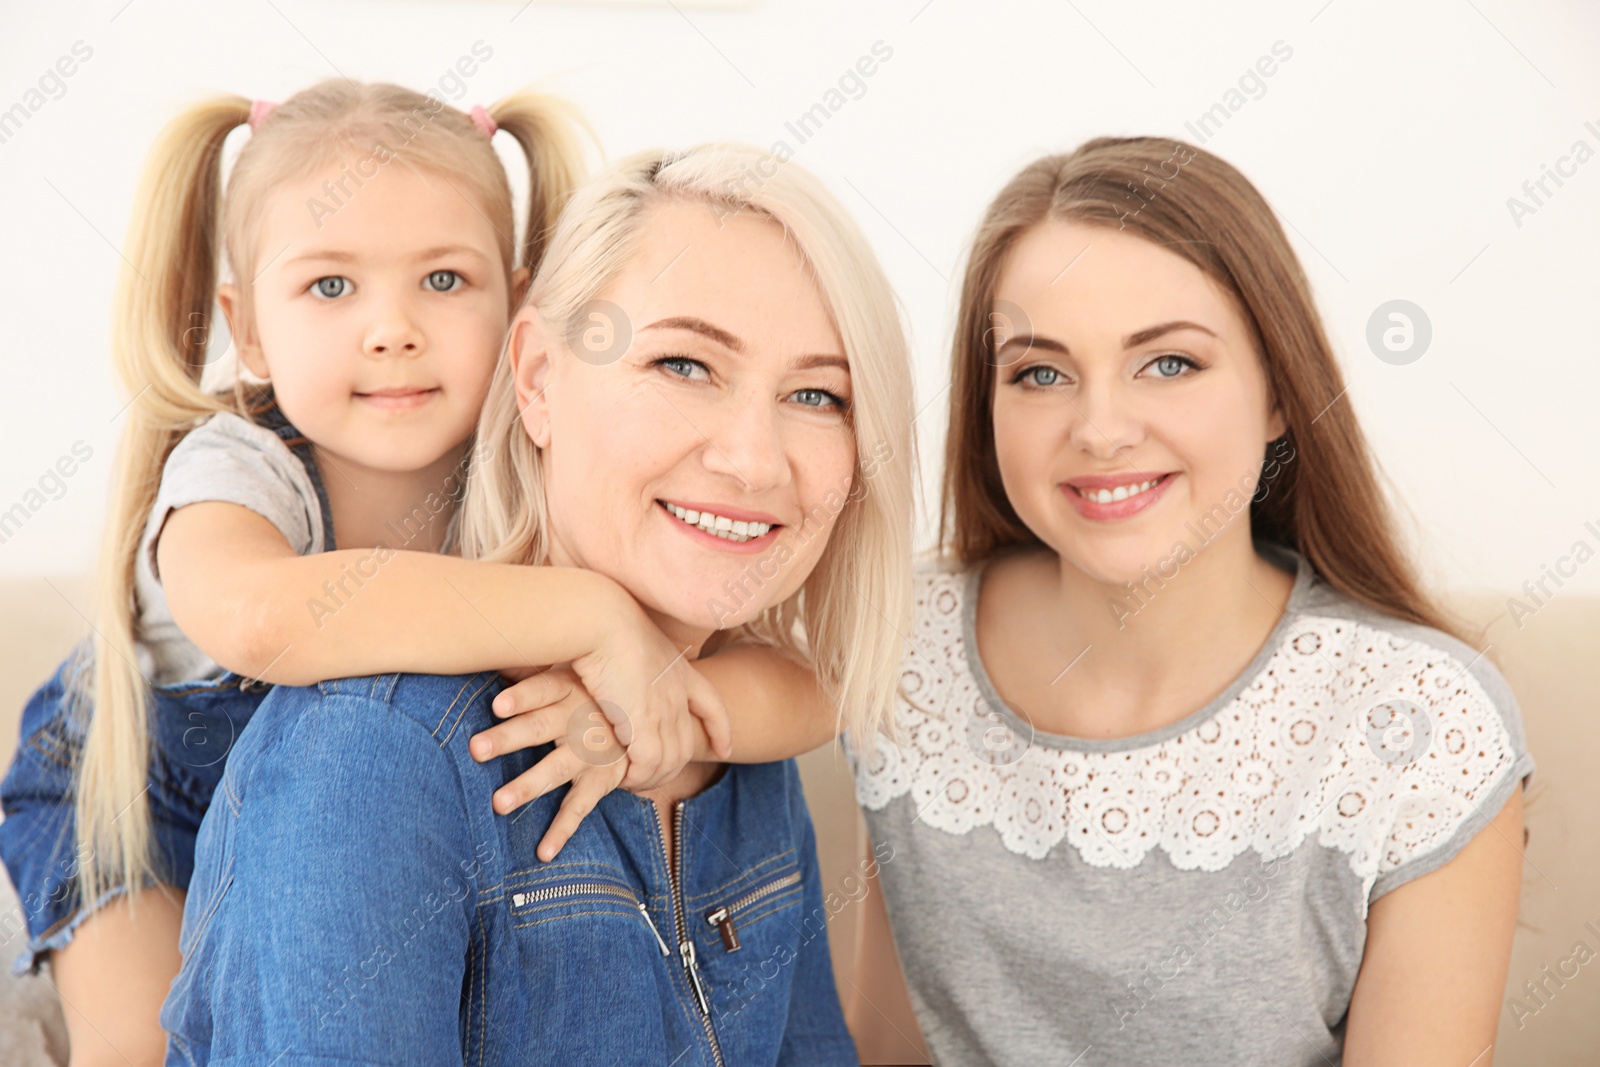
[(719, 525), (1121, 492)]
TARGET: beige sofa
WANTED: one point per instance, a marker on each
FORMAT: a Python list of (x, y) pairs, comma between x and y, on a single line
[(1550, 661)]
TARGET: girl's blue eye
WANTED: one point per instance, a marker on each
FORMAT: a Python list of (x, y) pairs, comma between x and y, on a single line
[(1171, 366), (444, 281), (331, 287)]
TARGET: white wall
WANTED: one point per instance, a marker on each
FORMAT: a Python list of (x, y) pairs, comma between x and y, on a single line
[(1390, 140)]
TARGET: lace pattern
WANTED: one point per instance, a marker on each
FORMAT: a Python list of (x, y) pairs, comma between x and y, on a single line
[(1363, 741)]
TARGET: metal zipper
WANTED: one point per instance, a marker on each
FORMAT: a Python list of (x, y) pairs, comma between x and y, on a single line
[(722, 917), (540, 896), (686, 944)]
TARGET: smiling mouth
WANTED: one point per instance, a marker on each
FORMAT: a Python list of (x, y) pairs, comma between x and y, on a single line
[(719, 525), (1121, 492), (398, 399)]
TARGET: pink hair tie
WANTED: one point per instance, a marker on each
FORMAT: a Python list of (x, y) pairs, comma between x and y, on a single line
[(259, 110), (481, 119)]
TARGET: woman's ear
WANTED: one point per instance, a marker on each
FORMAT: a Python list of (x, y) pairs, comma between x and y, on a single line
[(1276, 425), (245, 341), (530, 371)]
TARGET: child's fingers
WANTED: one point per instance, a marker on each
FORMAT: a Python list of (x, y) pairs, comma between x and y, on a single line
[(529, 729), (707, 705), (667, 765), (546, 687), (555, 770), (591, 736), (590, 784), (644, 756), (621, 721)]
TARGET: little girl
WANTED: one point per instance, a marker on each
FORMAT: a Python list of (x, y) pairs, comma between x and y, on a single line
[(370, 232)]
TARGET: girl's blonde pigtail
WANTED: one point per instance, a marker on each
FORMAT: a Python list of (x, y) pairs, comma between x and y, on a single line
[(550, 132), (160, 325)]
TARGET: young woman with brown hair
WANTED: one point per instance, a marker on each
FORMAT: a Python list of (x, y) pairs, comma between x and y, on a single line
[(1190, 768)]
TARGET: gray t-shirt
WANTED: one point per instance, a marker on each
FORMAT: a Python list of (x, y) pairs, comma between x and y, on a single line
[(1193, 895), (231, 459)]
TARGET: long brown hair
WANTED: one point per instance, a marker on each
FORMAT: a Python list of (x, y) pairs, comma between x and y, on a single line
[(160, 323), (1326, 503)]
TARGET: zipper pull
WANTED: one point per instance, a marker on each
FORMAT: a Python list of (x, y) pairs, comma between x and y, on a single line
[(686, 950), (665, 951), (722, 919)]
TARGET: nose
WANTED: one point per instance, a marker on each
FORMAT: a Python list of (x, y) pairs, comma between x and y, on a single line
[(746, 444), (1104, 420), (392, 330)]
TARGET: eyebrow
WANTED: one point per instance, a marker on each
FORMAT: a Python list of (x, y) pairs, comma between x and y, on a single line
[(1133, 340), (733, 344), (336, 256)]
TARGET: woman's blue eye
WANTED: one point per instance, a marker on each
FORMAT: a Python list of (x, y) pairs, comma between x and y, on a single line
[(1172, 366), (443, 281), (1040, 376), (820, 398), (681, 366), (331, 287)]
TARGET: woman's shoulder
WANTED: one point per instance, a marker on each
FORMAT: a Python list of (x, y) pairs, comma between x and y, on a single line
[(350, 736), (432, 710), (450, 707), (1376, 652)]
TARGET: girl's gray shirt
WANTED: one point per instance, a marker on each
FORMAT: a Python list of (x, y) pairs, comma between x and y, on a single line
[(230, 459), (1197, 894)]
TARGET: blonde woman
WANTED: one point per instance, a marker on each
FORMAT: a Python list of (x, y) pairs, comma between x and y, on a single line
[(356, 898)]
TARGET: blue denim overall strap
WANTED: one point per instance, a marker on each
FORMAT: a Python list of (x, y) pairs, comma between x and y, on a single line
[(273, 418)]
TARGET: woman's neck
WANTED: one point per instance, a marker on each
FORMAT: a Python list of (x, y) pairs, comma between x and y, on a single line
[(1104, 662), (401, 509), (683, 635)]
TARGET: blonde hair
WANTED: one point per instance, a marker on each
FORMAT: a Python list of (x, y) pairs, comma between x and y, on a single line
[(161, 319), (855, 606)]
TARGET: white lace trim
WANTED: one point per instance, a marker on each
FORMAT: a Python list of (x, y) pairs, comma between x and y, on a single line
[(1292, 755)]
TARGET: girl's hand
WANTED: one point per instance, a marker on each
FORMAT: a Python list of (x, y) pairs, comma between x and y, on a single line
[(646, 688), (554, 706)]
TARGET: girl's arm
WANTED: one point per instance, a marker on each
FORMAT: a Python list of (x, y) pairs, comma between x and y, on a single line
[(236, 587), (776, 711), (1436, 957), (241, 594)]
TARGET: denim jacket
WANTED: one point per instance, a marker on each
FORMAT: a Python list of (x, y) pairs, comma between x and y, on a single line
[(356, 900)]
